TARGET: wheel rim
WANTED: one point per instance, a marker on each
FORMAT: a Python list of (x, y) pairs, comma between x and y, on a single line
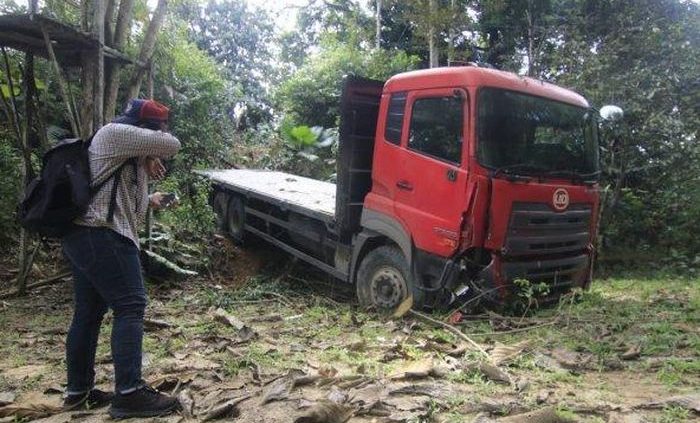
[(388, 287)]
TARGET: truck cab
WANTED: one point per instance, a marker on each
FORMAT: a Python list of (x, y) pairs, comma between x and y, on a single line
[(481, 178)]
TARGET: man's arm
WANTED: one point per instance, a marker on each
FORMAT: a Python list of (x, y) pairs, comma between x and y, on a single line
[(124, 141)]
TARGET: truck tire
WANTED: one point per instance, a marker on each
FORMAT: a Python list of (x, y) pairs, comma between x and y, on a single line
[(220, 205), (235, 219), (384, 280)]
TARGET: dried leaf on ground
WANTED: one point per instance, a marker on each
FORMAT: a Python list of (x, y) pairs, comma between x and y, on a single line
[(446, 348), (278, 390), (33, 406), (404, 307), (24, 372), (432, 390), (326, 412), (227, 409), (274, 317), (170, 383), (408, 403), (689, 402), (414, 370), (502, 354), (192, 362), (337, 396), (483, 418), (7, 398), (492, 372), (187, 402), (408, 416), (548, 363), (543, 415), (150, 325), (632, 353), (367, 397), (572, 360), (245, 332), (358, 346), (617, 417), (543, 396)]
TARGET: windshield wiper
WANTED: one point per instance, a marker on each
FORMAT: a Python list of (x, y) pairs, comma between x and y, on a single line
[(575, 176), (508, 169)]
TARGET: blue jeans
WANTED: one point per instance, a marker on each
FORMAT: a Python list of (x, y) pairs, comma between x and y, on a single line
[(106, 274)]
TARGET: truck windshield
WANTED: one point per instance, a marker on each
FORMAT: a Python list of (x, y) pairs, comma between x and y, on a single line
[(524, 134)]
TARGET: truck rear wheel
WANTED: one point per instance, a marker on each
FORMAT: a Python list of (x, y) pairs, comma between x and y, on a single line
[(235, 219), (384, 280), (220, 206)]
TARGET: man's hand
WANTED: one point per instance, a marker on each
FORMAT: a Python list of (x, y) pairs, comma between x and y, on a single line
[(155, 168), (159, 200)]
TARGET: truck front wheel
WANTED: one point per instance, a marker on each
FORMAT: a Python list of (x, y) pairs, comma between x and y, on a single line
[(384, 280)]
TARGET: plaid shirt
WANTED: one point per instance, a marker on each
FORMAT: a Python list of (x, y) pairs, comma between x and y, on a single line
[(112, 146)]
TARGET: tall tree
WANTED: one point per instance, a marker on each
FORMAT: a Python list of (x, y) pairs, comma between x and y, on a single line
[(118, 42), (239, 38), (147, 48)]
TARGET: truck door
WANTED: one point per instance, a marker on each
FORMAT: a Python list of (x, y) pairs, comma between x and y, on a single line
[(430, 196)]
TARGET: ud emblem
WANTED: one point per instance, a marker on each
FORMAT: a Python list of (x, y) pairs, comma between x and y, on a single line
[(560, 199)]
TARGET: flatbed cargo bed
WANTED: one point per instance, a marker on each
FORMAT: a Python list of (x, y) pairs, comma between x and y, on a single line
[(304, 195)]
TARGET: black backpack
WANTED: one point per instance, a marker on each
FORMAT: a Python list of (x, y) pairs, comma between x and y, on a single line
[(63, 190)]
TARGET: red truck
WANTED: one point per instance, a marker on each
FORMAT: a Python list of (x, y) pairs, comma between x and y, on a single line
[(451, 183)]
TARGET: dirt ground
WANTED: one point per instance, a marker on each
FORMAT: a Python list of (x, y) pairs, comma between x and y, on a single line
[(289, 347)]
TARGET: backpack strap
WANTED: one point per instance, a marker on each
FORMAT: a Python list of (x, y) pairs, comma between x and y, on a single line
[(115, 184)]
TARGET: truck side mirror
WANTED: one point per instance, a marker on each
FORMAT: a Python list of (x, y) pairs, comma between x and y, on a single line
[(611, 113)]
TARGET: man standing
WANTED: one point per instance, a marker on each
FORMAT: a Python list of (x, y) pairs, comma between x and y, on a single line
[(104, 255)]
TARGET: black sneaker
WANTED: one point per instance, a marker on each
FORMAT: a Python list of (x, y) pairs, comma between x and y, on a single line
[(144, 402), (91, 400)]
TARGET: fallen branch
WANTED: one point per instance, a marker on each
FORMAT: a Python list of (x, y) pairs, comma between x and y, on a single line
[(45, 282), (448, 327), (525, 329)]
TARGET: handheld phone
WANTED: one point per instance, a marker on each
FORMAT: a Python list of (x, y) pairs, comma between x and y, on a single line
[(168, 199)]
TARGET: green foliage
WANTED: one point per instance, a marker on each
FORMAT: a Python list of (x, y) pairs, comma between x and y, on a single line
[(10, 164), (311, 95), (193, 217), (238, 38)]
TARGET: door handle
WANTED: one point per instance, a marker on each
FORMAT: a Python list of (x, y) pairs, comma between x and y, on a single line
[(404, 185)]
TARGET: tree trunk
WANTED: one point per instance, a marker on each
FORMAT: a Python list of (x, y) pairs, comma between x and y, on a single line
[(432, 35), (98, 31), (88, 103), (530, 41), (452, 34), (85, 13), (113, 69), (109, 19), (378, 37), (25, 258), (149, 43)]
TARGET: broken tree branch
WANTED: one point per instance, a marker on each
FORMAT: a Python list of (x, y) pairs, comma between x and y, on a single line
[(45, 282), (448, 327)]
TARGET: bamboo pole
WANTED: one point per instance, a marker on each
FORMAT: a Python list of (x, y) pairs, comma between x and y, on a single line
[(62, 85)]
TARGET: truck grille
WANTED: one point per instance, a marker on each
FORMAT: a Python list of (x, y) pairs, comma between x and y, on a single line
[(535, 229), (558, 273)]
